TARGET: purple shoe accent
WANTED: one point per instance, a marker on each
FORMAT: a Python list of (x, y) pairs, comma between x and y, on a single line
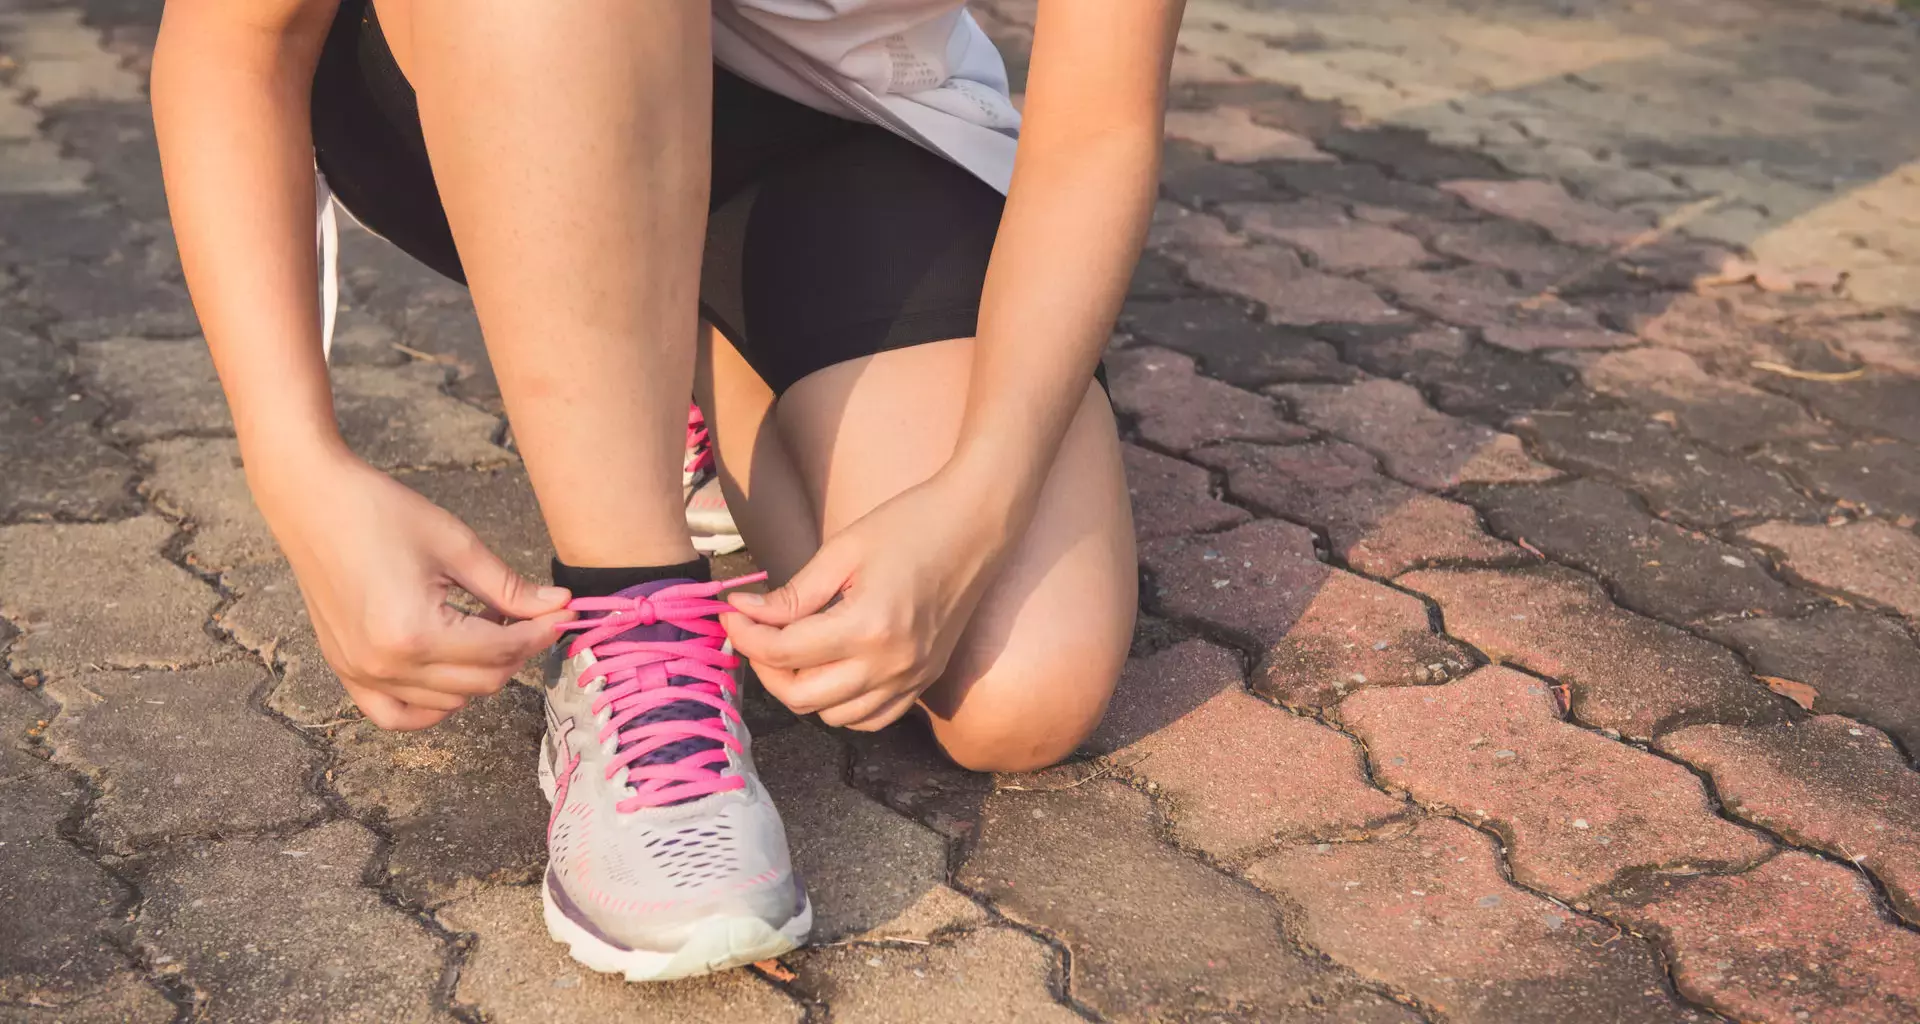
[(682, 711), (572, 910)]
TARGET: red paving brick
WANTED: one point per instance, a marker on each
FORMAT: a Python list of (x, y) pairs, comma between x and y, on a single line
[(1416, 443), (1577, 809), (1828, 783), (1870, 559), (1171, 497), (1428, 913), (1276, 278), (1335, 241), (1795, 939), (1378, 526), (1625, 672), (1174, 408), (1234, 771)]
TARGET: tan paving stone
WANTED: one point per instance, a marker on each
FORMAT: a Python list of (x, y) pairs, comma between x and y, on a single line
[(201, 479), (515, 973), (1416, 443), (57, 466), (1176, 409), (57, 958), (1379, 526), (1548, 205), (1624, 672), (865, 866), (459, 799), (158, 388), (1428, 913), (1578, 810), (180, 754), (1829, 783), (1153, 933), (1872, 559), (1796, 935), (318, 945), (992, 976), (1236, 772), (1233, 136), (52, 588)]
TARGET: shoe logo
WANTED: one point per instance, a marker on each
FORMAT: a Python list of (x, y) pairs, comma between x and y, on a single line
[(564, 763)]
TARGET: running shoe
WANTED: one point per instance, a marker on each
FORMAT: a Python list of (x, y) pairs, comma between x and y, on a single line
[(707, 516), (665, 855)]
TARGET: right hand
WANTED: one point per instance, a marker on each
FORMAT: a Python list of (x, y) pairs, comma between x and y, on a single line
[(376, 562)]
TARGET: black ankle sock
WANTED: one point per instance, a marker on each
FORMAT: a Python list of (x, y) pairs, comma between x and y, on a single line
[(595, 581)]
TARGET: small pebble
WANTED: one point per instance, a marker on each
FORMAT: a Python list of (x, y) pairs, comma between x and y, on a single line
[(1580, 823)]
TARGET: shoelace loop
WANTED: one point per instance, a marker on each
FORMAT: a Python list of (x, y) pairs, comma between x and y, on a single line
[(640, 676)]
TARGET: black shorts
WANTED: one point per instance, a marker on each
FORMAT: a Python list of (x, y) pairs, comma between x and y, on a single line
[(827, 239)]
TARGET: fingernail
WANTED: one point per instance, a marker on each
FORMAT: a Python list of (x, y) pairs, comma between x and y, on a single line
[(552, 594), (749, 599)]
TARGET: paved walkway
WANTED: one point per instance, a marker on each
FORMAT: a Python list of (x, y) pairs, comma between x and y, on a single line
[(1528, 510)]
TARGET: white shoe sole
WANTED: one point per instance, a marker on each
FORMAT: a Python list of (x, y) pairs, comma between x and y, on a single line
[(718, 543), (717, 944)]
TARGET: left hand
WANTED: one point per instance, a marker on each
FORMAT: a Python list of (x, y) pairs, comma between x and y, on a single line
[(908, 575)]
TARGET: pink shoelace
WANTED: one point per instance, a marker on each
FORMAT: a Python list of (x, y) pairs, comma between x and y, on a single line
[(699, 441), (640, 677)]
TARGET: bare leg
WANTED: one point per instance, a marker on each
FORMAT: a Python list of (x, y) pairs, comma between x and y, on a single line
[(570, 142), (1032, 675)]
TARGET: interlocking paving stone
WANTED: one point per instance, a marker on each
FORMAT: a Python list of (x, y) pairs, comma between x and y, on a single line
[(158, 387), (990, 976), (1578, 810), (1880, 403), (1518, 249), (1409, 154), (57, 466), (1379, 526), (1153, 933), (1860, 665), (1723, 413), (1676, 476), (1335, 241), (1625, 672), (1548, 205), (864, 865), (1230, 347), (459, 800), (1877, 476), (1655, 567), (1237, 772), (1796, 938), (1872, 559), (1829, 783), (1179, 229), (1429, 913), (1482, 297), (136, 291), (515, 972), (1176, 409), (1232, 135), (902, 767), (1171, 497), (1415, 443), (1890, 342), (317, 946), (180, 754), (153, 614), (1358, 183), (1189, 175), (270, 619), (1325, 631), (200, 479), (56, 951), (116, 138), (1462, 377), (1276, 278)]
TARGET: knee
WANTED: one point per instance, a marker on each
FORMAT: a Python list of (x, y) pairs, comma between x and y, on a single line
[(1041, 722)]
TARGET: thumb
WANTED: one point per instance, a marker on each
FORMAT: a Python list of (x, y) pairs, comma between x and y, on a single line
[(495, 583), (817, 582)]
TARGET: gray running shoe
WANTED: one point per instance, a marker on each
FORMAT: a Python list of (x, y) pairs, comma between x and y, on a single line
[(665, 855), (708, 517)]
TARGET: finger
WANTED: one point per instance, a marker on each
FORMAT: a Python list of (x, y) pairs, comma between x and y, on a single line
[(463, 680), (817, 582), (887, 715), (860, 708), (389, 712), (813, 641), (421, 697), (494, 582), (825, 687), (473, 641)]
